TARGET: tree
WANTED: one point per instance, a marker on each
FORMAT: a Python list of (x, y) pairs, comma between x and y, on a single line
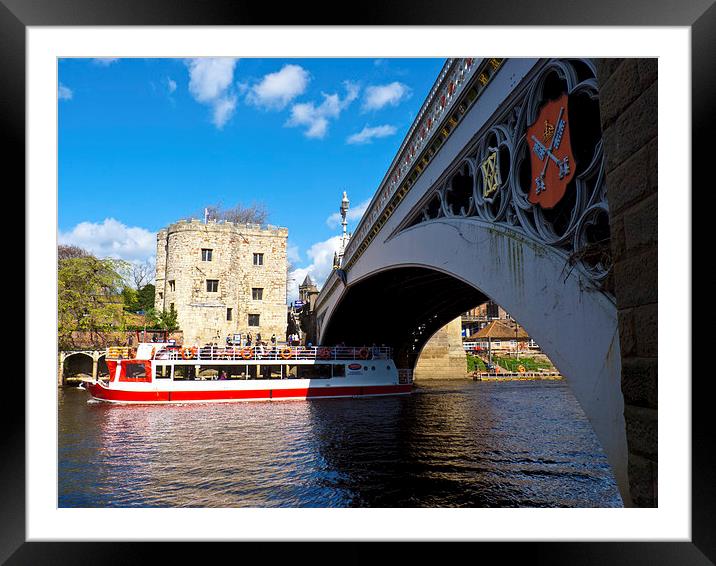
[(255, 213), (71, 252), (140, 274), (166, 320), (89, 296), (136, 301), (145, 297)]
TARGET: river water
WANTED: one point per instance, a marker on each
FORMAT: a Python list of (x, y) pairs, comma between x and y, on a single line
[(450, 444)]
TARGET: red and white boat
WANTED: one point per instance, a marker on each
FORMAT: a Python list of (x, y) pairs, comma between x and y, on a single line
[(165, 373)]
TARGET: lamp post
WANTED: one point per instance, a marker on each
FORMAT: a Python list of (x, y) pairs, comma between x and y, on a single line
[(345, 204)]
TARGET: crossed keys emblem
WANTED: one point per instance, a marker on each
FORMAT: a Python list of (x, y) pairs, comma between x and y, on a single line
[(552, 159)]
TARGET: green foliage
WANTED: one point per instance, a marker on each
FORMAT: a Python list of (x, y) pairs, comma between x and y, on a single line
[(145, 297), (475, 364), (89, 296), (165, 320), (135, 301), (511, 363), (129, 298)]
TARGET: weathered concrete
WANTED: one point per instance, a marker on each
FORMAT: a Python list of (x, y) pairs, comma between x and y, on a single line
[(628, 106), (443, 357)]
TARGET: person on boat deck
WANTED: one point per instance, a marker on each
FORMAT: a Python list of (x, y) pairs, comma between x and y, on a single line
[(273, 339), (222, 375), (249, 339), (258, 338)]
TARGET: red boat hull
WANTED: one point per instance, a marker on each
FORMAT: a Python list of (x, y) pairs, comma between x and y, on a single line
[(125, 396)]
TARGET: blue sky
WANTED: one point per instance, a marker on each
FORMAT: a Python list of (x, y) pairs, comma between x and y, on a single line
[(145, 142)]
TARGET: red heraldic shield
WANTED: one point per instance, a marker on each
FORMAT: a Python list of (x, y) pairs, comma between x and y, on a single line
[(551, 156)]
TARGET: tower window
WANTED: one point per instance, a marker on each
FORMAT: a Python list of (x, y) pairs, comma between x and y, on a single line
[(254, 319), (229, 314), (206, 254), (258, 259), (257, 294), (172, 285), (212, 285)]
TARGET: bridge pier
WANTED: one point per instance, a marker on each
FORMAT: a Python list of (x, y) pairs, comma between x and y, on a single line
[(628, 102), (443, 357)]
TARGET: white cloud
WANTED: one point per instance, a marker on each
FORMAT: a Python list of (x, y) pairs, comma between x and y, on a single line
[(105, 61), (64, 93), (376, 97), (210, 83), (366, 135), (111, 238), (354, 214), (277, 89), (316, 118), (293, 254), (171, 85), (223, 110), (321, 255)]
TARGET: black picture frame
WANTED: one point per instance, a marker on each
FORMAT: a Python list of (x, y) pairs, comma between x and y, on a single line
[(17, 15)]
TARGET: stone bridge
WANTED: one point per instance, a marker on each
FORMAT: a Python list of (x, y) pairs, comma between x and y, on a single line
[(74, 363), (532, 183)]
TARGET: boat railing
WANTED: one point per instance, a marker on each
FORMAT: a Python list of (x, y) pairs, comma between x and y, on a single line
[(278, 353), (405, 376)]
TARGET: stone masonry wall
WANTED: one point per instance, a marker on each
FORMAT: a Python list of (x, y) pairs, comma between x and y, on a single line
[(202, 314), (443, 357), (628, 107)]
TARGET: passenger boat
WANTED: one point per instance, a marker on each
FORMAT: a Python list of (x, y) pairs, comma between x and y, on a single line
[(166, 373)]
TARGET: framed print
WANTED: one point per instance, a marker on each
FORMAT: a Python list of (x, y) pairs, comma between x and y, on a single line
[(522, 199)]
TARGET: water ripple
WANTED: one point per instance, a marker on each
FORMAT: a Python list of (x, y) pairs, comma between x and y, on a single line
[(452, 444)]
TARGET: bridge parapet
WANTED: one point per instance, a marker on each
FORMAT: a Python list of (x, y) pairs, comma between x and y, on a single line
[(550, 186), (458, 86)]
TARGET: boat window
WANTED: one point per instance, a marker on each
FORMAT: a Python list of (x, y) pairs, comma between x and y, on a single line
[(271, 371), (134, 371), (339, 370), (163, 372), (317, 371)]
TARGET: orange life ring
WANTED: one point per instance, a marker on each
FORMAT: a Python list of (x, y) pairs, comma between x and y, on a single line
[(286, 353), (363, 353), (188, 353), (521, 368), (247, 353), (324, 353)]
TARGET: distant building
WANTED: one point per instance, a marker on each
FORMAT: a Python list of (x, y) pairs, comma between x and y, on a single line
[(223, 279), (307, 292), (478, 317)]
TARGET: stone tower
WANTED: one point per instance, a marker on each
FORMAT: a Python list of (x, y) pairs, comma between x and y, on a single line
[(223, 279)]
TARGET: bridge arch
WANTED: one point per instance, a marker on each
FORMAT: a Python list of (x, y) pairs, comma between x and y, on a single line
[(428, 273), (76, 363)]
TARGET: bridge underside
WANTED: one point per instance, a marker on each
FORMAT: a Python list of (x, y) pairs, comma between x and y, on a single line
[(401, 308)]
